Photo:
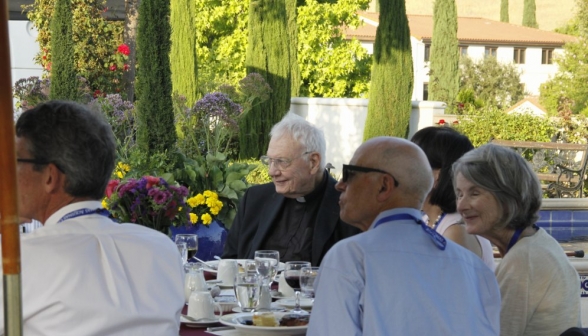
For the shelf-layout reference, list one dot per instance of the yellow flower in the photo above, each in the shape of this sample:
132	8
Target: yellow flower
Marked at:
195	201
208	193
120	174
104	203
214	210
193	218
206	219
122	169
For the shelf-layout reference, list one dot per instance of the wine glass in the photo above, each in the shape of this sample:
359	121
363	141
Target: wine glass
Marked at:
191	241
247	288
183	249
307	277
292	273
266	264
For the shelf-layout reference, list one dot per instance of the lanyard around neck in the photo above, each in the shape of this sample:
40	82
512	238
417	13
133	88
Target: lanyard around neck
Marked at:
516	235
437	239
84	212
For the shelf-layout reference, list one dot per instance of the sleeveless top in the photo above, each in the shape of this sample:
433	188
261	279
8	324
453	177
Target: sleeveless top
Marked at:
487	252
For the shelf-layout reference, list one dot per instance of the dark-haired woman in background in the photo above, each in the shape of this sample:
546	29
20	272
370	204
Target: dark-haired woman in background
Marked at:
443	146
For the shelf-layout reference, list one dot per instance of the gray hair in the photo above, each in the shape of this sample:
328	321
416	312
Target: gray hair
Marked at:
509	178
78	141
303	132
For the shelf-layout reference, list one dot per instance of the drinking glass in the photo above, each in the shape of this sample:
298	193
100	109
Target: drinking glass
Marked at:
266	264
307	277
191	241
247	288
183	249
292	276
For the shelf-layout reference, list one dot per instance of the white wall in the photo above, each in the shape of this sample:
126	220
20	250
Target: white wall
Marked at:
343	119
23	48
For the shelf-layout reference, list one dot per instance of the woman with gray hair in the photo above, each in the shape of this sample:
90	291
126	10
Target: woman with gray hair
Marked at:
499	197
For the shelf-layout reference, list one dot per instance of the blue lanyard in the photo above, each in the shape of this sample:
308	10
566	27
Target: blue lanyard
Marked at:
516	235
438	239
84	212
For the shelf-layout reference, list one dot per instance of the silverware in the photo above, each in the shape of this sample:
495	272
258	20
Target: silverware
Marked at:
205	264
219	328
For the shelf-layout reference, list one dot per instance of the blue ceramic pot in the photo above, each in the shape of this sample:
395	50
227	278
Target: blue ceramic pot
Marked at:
211	238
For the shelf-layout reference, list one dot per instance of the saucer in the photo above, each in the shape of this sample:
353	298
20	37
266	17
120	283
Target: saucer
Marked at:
273	307
201	323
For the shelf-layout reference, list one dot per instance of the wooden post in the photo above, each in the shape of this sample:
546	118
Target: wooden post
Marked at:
9	227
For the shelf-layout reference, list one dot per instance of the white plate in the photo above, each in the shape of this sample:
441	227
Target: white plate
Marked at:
237	321
213	264
291	302
198	324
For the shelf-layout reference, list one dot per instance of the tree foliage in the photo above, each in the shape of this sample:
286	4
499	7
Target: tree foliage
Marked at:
268	54
504	11
444	67
95	40
63	73
530	14
155	129
494	83
392	74
330	65
292	15
568	86
183	58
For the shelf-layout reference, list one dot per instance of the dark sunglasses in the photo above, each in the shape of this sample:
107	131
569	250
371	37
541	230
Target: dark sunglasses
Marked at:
350	170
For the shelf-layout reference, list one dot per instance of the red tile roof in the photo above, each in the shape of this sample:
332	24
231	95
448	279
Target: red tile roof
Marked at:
471	30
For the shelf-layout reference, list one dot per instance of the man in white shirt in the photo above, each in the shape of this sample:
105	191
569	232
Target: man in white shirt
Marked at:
398	277
82	273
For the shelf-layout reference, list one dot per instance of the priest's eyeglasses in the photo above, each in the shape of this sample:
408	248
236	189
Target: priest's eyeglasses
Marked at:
349	171
280	163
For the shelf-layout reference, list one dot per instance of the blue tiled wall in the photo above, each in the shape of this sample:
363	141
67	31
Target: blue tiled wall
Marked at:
565	225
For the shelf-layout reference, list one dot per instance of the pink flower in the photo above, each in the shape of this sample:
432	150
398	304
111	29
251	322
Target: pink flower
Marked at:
124	49
113	67
441	121
151	181
111	186
126	67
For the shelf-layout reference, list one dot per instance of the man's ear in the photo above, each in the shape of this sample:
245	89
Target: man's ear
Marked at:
387	187
314	159
53	179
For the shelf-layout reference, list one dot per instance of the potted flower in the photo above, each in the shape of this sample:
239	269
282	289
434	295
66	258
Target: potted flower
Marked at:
149	201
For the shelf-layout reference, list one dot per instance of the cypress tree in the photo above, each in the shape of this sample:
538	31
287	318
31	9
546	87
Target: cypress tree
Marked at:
529	14
64	84
155	122
184	68
392	74
293	34
268	54
444	67
504	11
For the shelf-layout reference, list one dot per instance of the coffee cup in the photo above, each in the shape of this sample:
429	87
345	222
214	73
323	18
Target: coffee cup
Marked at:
227	270
201	306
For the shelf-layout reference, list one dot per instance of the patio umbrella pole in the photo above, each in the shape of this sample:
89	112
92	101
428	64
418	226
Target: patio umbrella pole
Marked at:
9	227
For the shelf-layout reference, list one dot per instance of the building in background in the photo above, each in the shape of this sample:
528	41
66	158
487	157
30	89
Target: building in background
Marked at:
532	50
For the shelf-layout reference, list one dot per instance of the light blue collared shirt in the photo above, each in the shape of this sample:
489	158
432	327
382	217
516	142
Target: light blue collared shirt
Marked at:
393	280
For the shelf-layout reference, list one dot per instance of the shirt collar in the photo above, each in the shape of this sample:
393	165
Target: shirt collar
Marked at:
316	192
411	211
56	216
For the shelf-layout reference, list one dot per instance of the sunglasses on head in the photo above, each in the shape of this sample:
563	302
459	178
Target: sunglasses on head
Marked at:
350	170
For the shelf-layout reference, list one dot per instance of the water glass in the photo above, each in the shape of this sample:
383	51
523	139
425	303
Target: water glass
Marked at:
191	241
307	277
247	290
266	264
183	249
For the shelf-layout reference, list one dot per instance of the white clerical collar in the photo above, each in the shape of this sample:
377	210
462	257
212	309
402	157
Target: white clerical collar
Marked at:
301	199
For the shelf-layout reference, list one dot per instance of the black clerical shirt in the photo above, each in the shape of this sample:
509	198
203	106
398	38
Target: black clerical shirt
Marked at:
293	230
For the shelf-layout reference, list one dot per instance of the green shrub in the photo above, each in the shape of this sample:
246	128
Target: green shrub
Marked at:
494	123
